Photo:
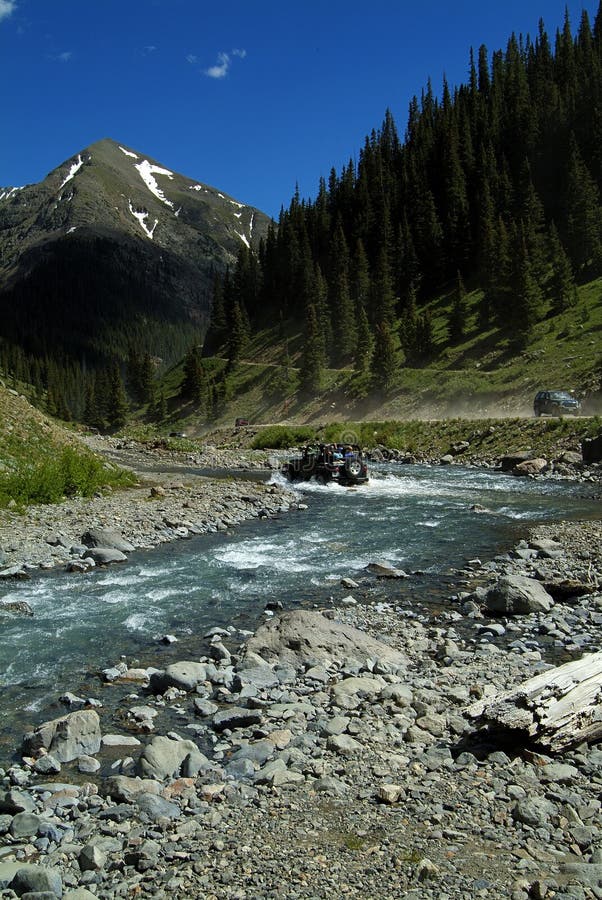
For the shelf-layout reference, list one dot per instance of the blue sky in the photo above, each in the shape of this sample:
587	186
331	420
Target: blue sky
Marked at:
249	97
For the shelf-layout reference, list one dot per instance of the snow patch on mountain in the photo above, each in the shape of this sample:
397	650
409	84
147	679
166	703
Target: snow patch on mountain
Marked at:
198	187
147	170
7	193
75	167
243	238
142	215
128	152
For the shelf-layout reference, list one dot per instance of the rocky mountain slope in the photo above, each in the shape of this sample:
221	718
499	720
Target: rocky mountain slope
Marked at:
112	238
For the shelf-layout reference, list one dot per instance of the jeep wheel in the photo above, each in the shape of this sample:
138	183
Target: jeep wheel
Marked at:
354	467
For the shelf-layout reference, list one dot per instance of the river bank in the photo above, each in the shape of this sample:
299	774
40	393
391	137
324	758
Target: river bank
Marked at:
342	763
346	769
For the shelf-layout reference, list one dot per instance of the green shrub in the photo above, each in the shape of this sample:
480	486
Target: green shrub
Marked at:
68	474
279	437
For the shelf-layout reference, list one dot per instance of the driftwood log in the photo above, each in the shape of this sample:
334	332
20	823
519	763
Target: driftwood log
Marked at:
557	709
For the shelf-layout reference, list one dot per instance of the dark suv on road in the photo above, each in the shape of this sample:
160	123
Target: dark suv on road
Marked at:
555	403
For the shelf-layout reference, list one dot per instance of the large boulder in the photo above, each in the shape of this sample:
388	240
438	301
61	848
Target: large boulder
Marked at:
105	556
106	537
185	675
302	636
516	595
165	758
68	737
531	466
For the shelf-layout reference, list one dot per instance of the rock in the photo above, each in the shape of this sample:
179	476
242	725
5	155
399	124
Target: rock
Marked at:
236	717
165	758
154	808
16	607
47	765
205	707
509	461
105	556
344	745
299	637
68	737
16	571
516	595
25	824
257	677
186	676
120	740
533	811
384	570
124	788
446	460
87	764
108	538
350	691
390	793
530	467
14	801
91	858
33	879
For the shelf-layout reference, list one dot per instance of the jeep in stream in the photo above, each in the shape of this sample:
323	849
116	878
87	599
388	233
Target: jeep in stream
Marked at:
342	463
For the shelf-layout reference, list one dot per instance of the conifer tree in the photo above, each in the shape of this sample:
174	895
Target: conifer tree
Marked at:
384	363
562	283
526	308
457	319
312	360
118	407
365	342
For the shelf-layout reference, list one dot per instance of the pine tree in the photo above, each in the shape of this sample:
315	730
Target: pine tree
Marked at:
312	361
118	407
384	365
527	305
562	283
365	341
457	319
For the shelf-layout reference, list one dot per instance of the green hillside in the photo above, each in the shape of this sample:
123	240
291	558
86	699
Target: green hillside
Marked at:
481	376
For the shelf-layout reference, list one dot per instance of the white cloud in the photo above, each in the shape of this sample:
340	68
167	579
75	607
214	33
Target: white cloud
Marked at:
6	8
192	59
65	56
224	61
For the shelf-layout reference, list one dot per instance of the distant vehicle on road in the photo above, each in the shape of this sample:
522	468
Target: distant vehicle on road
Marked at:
179	434
240	422
555	403
341	463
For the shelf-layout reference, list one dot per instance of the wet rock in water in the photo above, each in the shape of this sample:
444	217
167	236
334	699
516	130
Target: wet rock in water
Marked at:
68	737
517	595
236	717
531	467
185	675
17	571
105	556
301	637
384	570
15	608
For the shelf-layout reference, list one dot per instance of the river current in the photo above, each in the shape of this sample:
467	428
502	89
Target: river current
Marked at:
417	518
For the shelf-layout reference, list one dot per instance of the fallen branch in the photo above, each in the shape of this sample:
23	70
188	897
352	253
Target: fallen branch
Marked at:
557	709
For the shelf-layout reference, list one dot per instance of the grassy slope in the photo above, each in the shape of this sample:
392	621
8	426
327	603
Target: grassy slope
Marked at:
480	377
40	461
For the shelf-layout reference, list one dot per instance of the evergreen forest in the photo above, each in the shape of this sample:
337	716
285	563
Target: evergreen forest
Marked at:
494	188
